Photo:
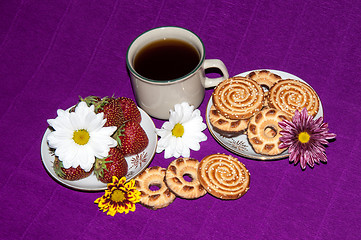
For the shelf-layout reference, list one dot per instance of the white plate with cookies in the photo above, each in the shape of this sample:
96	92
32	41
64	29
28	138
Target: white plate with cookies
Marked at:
240	132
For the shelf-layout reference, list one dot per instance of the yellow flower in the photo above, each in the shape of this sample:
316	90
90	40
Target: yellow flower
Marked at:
119	197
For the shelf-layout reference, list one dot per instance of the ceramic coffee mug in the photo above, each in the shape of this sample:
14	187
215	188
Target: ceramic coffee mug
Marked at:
157	97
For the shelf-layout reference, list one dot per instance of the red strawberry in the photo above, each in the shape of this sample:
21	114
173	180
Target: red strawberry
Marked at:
112	112
71	173
131	138
130	109
111	108
113	165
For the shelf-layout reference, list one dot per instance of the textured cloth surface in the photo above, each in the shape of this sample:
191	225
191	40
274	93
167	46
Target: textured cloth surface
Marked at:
51	52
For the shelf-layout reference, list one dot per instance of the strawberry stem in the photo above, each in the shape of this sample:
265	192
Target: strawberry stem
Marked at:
100	166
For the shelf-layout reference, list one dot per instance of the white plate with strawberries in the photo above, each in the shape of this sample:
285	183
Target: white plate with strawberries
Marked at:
136	163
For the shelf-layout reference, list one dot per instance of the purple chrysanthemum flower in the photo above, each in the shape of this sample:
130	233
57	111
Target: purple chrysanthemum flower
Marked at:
305	138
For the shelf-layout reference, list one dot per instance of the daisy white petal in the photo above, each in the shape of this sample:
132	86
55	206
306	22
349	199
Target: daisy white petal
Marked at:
61	122
192	143
93	124
87	159
186	152
170	149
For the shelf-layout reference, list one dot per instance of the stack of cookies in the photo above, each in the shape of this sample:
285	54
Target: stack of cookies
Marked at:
253	105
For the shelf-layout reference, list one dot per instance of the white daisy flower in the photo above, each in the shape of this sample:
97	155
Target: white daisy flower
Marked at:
182	133
80	137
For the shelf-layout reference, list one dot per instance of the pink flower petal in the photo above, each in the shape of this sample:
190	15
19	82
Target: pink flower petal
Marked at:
294	157
283	145
303	161
309	159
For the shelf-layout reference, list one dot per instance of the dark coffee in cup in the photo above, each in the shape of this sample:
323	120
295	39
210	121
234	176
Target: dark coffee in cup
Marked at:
166	59
159	85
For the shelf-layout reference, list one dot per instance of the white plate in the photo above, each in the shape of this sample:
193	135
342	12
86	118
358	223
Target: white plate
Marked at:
136	163
240	145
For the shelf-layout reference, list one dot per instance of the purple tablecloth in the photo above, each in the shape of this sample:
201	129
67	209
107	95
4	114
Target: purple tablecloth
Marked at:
53	51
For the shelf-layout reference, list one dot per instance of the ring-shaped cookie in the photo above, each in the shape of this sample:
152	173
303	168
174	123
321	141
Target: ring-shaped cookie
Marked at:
223	176
157	198
290	95
264	133
264	78
177	175
238	98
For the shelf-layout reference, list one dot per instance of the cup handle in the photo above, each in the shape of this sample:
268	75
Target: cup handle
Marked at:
215	63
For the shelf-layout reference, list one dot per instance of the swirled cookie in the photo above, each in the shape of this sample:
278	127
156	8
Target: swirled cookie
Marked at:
226	127
154	199
264	78
223	176
290	95
238	98
176	182
264	133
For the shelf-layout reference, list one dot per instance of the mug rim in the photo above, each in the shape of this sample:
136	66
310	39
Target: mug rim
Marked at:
201	60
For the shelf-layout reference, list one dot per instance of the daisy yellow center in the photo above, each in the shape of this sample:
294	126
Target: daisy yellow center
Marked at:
178	130
81	137
117	196
304	137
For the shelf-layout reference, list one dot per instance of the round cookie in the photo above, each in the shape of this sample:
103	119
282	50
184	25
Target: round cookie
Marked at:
264	133
238	98
290	95
226	127
264	78
154	199
223	176
174	178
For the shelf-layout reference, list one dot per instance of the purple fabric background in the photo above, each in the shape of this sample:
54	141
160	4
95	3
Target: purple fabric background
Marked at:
53	51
